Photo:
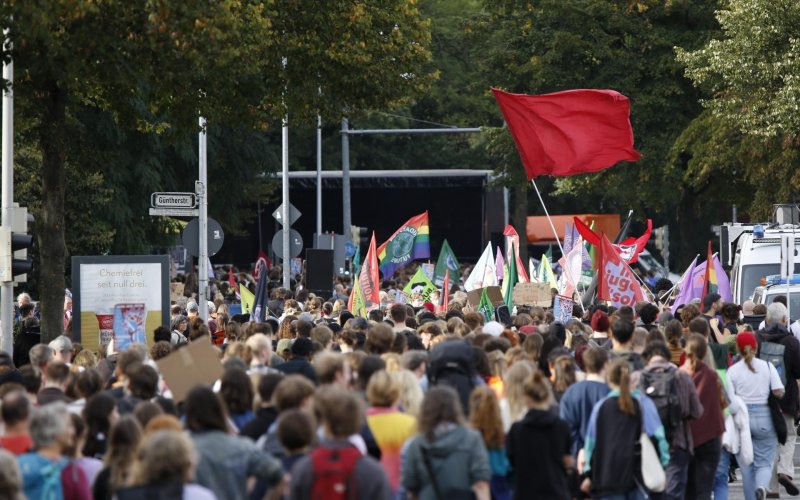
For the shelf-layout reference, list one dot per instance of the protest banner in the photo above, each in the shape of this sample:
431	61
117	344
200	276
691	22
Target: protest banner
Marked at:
493	292
196	364
562	309
532	294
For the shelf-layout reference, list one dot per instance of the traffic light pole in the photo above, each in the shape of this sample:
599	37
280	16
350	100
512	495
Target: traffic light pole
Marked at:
7	287
202	194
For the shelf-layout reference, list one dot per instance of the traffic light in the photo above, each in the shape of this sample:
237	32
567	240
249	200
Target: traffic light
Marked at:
14	244
660	239
361	236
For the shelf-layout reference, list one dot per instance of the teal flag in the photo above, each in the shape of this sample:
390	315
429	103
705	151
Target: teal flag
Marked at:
356	261
485	307
511	281
447	260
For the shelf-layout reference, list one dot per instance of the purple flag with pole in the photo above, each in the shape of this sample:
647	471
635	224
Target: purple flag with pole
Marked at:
687	290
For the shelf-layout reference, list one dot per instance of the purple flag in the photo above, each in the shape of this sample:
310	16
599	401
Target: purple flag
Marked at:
723	284
687	292
498	265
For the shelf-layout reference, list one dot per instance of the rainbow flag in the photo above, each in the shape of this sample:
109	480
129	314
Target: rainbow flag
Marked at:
408	243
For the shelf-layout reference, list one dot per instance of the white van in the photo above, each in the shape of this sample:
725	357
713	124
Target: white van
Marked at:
774	286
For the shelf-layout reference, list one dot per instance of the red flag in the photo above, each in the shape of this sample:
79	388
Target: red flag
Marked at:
232	282
446	291
510	233
616	282
571	132
262	261
369	277
707	276
628	249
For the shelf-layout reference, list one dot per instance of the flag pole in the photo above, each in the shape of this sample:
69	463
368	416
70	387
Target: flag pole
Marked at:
536	188
553	227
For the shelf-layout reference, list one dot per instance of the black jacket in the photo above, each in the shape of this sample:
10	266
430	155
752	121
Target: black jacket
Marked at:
299	366
615	464
536	447
260	424
777	333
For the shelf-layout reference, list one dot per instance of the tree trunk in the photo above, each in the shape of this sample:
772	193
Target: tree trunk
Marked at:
50	227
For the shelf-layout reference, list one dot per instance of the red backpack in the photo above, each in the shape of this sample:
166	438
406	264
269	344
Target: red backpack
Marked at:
333	473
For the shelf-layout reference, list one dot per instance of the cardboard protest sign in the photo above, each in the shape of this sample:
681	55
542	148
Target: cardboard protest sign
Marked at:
176	291
493	292
562	309
532	294
196	364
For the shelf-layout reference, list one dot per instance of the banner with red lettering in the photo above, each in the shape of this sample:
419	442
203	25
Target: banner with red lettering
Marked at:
616	282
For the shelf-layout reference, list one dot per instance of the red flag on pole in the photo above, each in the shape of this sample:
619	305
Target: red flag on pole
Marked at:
628	249
616	282
232	282
707	276
513	237
571	132
446	291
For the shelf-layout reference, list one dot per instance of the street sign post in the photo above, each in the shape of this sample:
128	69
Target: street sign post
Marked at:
294	214
295	244
173	200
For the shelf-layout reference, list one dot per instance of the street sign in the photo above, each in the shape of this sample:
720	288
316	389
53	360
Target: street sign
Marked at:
175	212
191	237
295	243
173	200
349	249
294	214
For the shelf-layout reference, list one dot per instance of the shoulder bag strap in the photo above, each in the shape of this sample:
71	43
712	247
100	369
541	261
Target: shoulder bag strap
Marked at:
429	467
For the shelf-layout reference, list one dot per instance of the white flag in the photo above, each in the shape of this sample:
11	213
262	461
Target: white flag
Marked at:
483	274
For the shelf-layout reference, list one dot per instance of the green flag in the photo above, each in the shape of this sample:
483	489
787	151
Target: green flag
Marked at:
447	260
511	280
358	305
247	298
485	307
420	283
356	261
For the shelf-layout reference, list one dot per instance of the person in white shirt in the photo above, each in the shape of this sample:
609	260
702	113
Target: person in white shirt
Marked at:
753	379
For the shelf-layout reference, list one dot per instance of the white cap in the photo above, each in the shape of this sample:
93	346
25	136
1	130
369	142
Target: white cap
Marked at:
493	328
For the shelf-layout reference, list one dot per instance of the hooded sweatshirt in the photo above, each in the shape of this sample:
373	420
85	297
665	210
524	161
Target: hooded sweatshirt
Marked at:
536	447
458	458
778	334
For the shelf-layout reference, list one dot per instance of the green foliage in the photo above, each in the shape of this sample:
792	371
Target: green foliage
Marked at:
753	71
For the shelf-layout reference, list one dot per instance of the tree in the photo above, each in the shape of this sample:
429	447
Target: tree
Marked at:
752	72
153	66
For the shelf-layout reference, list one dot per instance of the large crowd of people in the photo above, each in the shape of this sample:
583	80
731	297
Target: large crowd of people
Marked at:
413	402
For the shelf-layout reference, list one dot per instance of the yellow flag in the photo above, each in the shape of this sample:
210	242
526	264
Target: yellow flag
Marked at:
247	299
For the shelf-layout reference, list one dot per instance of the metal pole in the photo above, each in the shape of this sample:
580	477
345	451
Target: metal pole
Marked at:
396	131
319	175
346	220
260	245
202	195
7	290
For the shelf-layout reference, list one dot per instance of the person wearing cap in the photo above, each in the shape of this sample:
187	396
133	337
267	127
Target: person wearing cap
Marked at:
192	310
298	362
776	332
753	379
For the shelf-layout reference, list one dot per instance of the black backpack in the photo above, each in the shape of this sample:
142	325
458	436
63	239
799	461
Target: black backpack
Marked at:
661	387
453	363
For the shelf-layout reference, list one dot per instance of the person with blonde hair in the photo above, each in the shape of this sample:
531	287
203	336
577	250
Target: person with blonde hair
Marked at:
484	417
393	362
612	437
753	380
390	427
410	391
260	347
165	466
513	406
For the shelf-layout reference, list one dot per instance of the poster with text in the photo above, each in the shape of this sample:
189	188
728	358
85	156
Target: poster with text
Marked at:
119	298
562	309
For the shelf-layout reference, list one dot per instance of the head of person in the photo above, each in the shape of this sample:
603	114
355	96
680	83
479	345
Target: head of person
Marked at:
595	360
619	378
383	390
485	416
192	309
146	411
23	299
323	336
332	369
747	346
16	410
236	391
730	312
296	431
657	352
622	331
564	373
165	456
340	412
205	411
40	355
379	341
302	348
777	314
712	303
123	447
398	314
648	314
57	374
266	387
600	321
441	404
261	348
100	414
537	390
294	391
142	381
51	428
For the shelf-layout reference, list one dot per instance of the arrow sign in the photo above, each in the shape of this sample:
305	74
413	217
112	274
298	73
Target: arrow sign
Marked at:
294	214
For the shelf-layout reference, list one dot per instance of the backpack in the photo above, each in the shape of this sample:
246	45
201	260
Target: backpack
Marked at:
661	387
453	363
334	469
773	352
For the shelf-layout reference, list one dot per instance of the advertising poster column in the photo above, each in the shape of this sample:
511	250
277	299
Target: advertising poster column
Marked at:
123	298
